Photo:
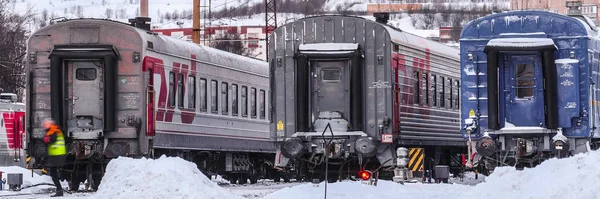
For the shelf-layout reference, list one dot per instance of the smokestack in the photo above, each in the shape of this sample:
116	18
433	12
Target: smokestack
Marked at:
144	8
196	22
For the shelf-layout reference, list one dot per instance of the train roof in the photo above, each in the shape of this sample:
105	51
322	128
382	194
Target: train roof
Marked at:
399	36
177	47
527	22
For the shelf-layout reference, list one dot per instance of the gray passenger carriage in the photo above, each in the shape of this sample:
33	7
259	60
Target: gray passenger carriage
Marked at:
356	75
117	90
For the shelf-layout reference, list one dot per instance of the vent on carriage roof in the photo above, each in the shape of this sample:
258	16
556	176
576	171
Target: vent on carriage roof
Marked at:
382	17
141	22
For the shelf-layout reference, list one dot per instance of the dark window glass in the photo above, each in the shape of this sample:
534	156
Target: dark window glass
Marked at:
191	90
331	75
253	102
244	101
524	80
180	90
234	99
214	93
203	96
224	98
261	100
172	89
85	74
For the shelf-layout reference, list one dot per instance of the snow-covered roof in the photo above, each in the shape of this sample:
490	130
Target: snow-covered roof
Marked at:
328	47
566	61
521	42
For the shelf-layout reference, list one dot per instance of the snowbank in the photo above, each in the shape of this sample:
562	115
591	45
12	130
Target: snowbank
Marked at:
166	177
575	177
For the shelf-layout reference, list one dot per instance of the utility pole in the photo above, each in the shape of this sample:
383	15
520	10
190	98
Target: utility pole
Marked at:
270	21
196	22
144	8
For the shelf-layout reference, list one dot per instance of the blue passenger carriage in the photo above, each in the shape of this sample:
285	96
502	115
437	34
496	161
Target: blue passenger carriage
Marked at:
529	88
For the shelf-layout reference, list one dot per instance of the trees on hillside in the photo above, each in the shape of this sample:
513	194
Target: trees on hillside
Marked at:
13	37
231	43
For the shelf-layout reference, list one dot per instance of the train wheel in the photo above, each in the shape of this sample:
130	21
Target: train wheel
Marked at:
276	176
253	180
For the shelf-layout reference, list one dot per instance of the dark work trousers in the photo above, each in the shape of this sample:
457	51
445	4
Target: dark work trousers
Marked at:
55	178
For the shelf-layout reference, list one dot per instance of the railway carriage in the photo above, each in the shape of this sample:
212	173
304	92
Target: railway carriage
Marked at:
529	87
377	87
118	89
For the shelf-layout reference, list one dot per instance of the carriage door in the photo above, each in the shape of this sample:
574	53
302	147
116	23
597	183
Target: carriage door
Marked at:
86	96
524	90
330	88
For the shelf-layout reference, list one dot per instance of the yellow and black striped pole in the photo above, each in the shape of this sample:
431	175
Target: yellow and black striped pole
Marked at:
27	166
416	156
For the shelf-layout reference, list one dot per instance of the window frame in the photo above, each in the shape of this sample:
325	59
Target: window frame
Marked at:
203	95
192	92
224	98
234	100
214	96
253	111
172	89
262	104
180	91
244	101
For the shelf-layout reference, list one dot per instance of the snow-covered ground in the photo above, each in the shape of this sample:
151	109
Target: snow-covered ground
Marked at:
576	177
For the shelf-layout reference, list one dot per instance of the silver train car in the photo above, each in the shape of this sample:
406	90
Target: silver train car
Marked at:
118	89
377	87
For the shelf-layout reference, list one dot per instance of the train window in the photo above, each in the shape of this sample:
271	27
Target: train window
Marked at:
244	101
85	74
456	98
449	93
442	91
416	87
524	80
203	96
214	96
425	98
262	104
224	98
171	89
180	89
253	102
433	95
234	99
191	90
331	75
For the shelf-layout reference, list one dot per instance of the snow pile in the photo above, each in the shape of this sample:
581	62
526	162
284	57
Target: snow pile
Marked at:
357	190
575	177
166	177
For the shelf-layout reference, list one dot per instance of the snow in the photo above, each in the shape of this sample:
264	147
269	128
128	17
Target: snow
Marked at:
566	61
574	177
567	178
357	190
521	42
522	34
165	177
328	47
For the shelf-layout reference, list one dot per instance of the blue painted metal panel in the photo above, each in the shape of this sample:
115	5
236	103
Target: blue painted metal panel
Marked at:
570	35
567	78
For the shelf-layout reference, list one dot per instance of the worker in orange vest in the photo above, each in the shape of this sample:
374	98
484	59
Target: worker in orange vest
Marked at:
57	152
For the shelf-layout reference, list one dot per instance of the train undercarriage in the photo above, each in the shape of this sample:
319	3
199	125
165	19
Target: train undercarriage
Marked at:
527	151
236	167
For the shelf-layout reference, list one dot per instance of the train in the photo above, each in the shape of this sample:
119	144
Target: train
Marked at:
118	89
12	130
349	94
529	88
